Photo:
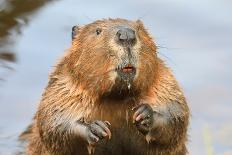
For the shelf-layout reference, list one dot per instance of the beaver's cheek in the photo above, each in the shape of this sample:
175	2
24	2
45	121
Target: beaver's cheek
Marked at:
112	76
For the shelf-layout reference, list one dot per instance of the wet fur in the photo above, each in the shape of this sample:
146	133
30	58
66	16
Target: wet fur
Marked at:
82	87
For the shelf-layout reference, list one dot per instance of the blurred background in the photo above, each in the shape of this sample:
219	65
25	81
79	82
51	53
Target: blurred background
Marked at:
194	38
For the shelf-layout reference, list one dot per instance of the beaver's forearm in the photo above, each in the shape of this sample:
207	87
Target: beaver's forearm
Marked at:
57	131
170	124
60	131
168	134
164	125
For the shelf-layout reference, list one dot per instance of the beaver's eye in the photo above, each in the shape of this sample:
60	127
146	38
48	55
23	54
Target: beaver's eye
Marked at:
98	31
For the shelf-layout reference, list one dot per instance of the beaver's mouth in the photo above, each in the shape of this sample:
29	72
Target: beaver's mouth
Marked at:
126	71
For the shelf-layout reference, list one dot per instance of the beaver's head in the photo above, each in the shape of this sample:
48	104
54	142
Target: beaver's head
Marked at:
113	55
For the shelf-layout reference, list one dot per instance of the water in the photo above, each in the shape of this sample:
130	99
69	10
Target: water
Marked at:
195	39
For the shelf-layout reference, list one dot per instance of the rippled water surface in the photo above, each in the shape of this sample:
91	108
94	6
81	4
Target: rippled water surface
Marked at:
195	40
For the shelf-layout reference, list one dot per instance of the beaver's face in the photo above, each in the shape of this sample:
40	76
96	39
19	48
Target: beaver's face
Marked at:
119	51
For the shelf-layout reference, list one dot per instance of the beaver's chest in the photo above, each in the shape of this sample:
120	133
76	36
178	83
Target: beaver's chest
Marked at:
126	139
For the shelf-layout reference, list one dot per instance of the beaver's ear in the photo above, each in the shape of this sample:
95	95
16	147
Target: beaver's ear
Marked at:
139	21
74	31
139	24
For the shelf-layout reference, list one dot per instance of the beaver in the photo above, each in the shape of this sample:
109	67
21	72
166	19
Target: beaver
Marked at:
110	94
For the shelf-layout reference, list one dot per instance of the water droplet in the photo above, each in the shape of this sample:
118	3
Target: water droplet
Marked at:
90	149
129	85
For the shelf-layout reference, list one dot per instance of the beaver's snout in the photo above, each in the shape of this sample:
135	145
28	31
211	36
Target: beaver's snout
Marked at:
125	39
125	36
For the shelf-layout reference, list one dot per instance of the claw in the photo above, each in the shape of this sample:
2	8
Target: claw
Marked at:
91	149
108	131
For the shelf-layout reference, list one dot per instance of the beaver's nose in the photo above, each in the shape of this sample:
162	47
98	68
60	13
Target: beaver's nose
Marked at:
126	36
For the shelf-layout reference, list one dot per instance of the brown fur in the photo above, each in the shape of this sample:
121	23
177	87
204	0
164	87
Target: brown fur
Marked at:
81	86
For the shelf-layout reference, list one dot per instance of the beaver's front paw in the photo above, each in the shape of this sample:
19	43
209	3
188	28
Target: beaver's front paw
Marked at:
143	118
97	130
